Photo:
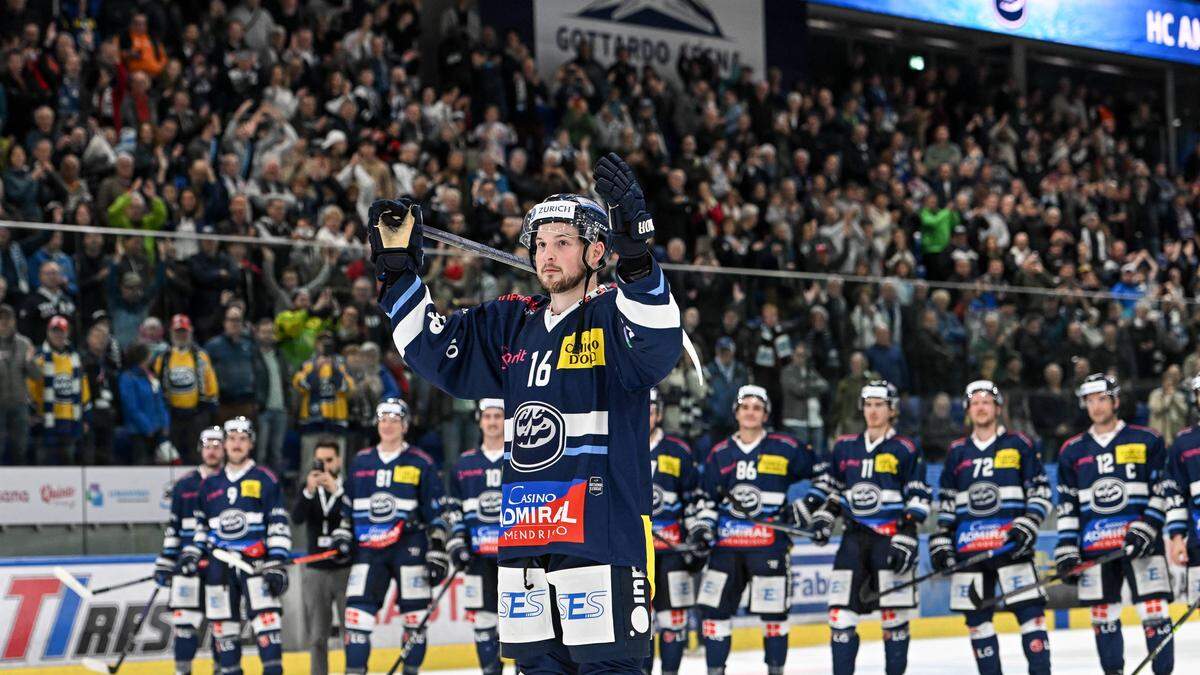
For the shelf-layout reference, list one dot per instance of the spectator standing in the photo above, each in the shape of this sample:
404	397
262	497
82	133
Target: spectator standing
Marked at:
318	507
48	301
129	300
324	388
103	378
803	389
1053	409
232	356
189	386
887	359
847	418
938	428
59	395
144	409
725	376
272	381
16	366
1169	406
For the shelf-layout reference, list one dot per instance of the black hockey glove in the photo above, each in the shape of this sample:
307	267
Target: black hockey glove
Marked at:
343	541
394	232
189	561
902	553
617	186
437	561
1022	536
164	569
803	510
275	577
941	550
823	520
702	538
459	550
1141	537
1066	558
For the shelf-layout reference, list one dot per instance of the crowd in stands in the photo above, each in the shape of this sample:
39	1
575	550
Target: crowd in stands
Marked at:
282	120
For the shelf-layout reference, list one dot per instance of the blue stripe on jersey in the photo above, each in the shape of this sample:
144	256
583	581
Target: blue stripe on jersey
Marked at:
409	293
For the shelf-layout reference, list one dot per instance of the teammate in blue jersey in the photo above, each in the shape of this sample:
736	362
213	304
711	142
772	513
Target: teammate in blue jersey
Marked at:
396	522
241	510
746	478
993	493
676	497
574	371
1183	518
186	603
1112	494
475	488
879	478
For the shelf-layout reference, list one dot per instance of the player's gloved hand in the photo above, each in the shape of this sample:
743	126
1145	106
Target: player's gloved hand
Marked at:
189	561
1066	558
343	542
1022	536
823	520
803	510
164	569
701	538
1140	537
902	552
394	232
459	550
437	561
275	577
618	186
941	551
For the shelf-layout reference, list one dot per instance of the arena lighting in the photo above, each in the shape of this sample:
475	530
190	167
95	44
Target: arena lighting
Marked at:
916	62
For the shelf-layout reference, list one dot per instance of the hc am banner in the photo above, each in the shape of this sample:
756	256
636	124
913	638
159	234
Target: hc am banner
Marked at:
730	32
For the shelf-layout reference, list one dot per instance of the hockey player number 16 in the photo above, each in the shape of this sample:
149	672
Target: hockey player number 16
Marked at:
539	369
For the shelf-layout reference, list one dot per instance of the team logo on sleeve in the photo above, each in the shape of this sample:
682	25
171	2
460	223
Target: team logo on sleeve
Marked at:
539	436
865	498
983	499
1109	495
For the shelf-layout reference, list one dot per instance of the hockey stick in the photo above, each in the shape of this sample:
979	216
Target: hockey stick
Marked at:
233	560
1171	636
1056	578
86	593
868	596
780	527
315	557
682	547
407	646
98	666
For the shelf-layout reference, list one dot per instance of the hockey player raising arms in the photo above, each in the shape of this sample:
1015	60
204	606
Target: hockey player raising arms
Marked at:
993	493
880	478
574	370
394	517
747	477
241	510
186	604
1111	489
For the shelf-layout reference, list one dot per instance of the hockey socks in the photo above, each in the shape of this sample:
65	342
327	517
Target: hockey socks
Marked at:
672	640
717	642
1034	639
416	653
986	647
186	642
359	623
895	646
1110	644
843	642
227	647
1156	622
775	645
487	647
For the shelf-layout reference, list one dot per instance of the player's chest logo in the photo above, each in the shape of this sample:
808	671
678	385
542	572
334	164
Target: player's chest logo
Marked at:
233	523
865	498
747	499
382	507
489	506
539	436
983	499
1109	495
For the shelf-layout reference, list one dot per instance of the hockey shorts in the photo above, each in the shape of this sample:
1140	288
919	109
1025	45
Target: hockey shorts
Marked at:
674	584
861	560
479	584
1148	579
374	569
187	600
1192	578
230	595
729	571
598	612
985	577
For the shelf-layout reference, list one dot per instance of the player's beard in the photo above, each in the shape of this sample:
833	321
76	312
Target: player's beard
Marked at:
566	282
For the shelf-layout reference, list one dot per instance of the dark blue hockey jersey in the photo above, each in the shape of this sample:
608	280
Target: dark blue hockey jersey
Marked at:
475	484
1104	488
983	489
243	512
743	482
1183	485
576	391
181	528
877	485
676	486
383	500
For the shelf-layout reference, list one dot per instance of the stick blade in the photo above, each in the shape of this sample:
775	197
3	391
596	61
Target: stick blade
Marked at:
96	665
232	559
72	583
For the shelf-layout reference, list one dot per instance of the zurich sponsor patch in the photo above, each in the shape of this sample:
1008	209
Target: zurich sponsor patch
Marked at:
535	513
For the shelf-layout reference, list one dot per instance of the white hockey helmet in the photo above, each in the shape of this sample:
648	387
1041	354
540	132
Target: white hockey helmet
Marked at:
1097	383
985	386
392	406
752	391
880	389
